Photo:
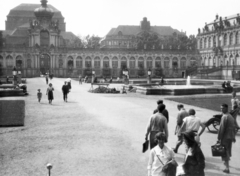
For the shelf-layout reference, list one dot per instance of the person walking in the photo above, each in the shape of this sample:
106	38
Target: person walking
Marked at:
226	135
194	162
80	79
46	79
165	111
65	91
181	115
49	93
157	123
69	85
161	159
39	95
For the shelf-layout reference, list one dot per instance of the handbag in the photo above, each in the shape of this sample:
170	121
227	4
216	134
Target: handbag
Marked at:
145	146
218	150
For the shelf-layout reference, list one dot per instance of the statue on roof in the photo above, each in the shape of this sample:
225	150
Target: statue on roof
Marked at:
206	27
199	30
238	19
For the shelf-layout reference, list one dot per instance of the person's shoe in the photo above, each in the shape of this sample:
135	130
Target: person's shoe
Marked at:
226	171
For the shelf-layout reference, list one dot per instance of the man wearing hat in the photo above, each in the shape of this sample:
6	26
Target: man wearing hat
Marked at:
165	112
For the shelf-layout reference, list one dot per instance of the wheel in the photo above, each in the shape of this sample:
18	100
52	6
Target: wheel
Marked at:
216	125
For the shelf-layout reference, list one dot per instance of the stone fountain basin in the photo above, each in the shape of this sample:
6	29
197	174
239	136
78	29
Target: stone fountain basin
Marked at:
180	89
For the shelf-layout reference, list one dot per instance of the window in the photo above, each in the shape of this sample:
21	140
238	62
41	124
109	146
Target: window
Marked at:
79	62
225	40
175	63
106	62
70	62
115	62
209	42
44	38
201	43
9	61
132	62
124	62
205	43
140	62
183	62
1	61
149	62
19	62
97	62
29	63
88	63
158	62
166	62
193	62
231	39
236	38
214	41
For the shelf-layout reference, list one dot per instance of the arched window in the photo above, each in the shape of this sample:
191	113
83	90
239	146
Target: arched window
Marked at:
132	62
237	60
29	63
201	43
79	61
115	62
124	62
140	62
236	38
209	42
97	62
70	62
231	61
166	62
149	62
231	39
225	40
44	38
183	62
205	42
1	61
19	62
9	61
60	62
158	62
88	62
175	63
106	62
214	41
193	62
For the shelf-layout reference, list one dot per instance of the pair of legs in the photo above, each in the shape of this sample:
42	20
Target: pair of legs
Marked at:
50	101
65	97
228	146
180	142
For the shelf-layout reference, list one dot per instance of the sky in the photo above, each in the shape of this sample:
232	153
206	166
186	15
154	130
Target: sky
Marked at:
97	17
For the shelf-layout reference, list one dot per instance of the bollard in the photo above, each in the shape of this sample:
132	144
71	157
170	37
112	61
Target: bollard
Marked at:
49	167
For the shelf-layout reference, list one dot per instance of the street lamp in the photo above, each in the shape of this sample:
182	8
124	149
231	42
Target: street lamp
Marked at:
93	76
19	76
14	72
149	76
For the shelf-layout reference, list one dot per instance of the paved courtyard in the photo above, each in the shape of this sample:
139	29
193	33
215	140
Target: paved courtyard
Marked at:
92	134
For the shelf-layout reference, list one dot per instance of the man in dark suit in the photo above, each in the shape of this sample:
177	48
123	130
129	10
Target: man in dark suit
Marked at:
65	90
165	111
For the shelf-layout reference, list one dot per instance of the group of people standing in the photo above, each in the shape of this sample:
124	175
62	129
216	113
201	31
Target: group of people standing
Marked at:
162	161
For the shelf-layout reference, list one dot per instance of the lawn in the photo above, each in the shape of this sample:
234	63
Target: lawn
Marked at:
212	103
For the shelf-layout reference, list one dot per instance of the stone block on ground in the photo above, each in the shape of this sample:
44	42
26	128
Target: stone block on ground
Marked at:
12	113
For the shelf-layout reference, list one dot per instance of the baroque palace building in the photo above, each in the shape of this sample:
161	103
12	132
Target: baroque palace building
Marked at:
219	47
35	41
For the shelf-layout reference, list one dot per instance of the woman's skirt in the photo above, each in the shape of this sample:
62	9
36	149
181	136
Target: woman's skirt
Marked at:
50	95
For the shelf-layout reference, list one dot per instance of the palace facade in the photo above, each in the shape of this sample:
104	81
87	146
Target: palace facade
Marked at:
35	41
219	47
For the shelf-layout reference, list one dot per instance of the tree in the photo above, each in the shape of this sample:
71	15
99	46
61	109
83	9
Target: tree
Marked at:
92	41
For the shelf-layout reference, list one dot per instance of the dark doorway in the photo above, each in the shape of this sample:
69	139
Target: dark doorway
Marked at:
44	63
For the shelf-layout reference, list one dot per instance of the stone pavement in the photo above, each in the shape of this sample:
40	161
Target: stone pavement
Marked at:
116	123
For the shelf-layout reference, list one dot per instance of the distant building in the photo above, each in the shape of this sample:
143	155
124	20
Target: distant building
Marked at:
36	42
219	47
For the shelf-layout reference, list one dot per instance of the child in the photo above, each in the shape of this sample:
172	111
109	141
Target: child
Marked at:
39	95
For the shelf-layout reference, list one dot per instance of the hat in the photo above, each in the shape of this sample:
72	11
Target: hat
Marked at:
189	135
